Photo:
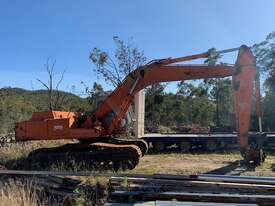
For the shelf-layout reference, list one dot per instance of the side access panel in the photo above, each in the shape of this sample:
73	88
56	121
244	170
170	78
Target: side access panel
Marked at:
46	126
39	130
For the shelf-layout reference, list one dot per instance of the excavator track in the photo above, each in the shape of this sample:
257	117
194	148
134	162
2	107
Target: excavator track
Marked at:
95	156
141	144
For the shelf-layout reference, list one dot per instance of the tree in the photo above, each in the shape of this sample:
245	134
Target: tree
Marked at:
55	97
213	57
186	89
199	108
13	108
113	69
221	94
265	55
269	112
153	105
94	94
265	59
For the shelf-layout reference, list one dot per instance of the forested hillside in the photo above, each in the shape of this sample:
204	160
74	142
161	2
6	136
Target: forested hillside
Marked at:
17	104
207	104
203	105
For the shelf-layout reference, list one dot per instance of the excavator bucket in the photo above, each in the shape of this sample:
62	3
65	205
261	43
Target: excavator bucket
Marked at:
243	84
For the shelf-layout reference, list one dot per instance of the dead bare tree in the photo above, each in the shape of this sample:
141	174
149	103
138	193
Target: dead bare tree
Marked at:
55	97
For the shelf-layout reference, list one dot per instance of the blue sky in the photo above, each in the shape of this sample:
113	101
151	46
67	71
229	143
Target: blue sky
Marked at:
33	30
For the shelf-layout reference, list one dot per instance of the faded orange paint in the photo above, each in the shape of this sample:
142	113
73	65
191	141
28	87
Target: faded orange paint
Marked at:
46	125
243	82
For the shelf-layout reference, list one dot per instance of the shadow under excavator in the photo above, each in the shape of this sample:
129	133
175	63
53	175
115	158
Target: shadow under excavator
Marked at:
25	164
233	168
193	150
69	164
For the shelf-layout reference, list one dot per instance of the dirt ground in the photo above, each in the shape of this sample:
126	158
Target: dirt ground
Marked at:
186	164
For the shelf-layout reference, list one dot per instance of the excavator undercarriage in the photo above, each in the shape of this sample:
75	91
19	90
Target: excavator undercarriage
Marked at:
98	156
103	152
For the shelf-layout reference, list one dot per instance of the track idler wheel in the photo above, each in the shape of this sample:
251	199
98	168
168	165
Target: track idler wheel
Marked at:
143	146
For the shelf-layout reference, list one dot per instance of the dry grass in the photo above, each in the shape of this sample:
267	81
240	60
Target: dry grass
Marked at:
179	163
13	194
186	164
12	153
23	192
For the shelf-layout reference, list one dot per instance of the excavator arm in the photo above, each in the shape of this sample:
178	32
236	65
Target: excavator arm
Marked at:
243	77
119	101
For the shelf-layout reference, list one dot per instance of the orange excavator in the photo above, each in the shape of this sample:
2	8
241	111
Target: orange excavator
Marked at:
97	132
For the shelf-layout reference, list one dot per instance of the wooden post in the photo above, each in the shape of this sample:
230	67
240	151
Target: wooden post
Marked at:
139	114
258	102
